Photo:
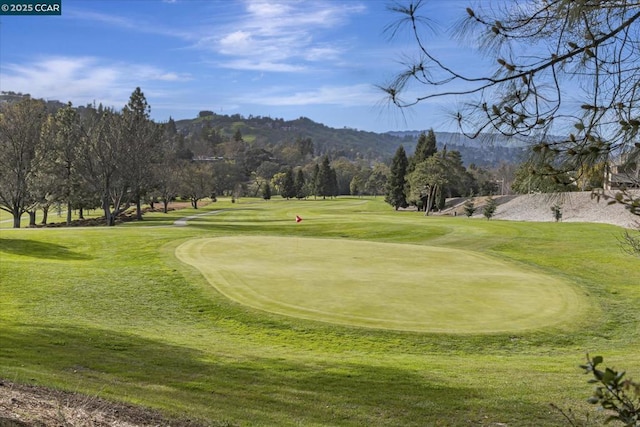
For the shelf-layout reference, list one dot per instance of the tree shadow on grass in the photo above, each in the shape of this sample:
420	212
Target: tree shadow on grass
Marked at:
41	250
239	388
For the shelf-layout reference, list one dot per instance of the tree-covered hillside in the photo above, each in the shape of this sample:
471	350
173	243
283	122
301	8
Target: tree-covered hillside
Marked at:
269	133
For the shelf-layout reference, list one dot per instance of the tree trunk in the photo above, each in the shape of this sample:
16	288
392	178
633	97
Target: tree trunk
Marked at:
427	203
118	207
432	194
17	215
165	207
138	209
69	212
106	208
45	215
32	218
80	213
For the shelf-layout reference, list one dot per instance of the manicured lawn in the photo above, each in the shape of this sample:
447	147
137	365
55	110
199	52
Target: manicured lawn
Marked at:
383	285
113	312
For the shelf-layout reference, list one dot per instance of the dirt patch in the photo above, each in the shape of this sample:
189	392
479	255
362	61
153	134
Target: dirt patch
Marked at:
34	406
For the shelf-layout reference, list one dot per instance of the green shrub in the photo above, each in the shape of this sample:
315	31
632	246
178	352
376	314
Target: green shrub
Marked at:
490	208
613	393
469	208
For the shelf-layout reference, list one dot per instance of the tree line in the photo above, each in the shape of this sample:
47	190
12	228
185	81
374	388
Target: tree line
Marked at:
82	159
96	157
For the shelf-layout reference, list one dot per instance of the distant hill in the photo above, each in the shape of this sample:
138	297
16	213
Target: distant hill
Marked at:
264	132
486	151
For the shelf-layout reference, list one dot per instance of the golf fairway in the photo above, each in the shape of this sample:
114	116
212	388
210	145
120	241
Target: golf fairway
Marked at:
383	285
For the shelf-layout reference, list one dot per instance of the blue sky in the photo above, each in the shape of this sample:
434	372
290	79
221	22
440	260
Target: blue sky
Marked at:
281	58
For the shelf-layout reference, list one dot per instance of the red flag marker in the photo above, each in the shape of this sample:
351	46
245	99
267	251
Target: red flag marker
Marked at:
298	219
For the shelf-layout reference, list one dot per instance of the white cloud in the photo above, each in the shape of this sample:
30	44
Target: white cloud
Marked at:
346	96
321	53
281	34
266	9
137	25
278	34
82	80
236	43
262	66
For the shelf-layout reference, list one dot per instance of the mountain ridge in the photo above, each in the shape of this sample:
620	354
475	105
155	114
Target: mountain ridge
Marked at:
487	150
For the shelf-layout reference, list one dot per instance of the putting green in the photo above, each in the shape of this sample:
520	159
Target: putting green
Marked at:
383	285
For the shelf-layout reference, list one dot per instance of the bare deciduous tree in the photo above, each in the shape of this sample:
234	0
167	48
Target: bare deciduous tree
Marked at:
20	135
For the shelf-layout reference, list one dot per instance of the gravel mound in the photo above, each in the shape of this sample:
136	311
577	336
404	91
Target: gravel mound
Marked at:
575	207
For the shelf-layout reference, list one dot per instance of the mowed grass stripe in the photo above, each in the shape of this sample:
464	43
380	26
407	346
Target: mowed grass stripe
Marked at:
383	285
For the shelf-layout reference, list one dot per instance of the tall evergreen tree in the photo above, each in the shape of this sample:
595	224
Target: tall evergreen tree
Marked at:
459	181
142	143
288	185
170	127
300	185
425	148
334	189
314	180
326	183
396	191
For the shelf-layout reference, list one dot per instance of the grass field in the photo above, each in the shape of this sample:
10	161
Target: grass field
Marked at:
229	337
383	285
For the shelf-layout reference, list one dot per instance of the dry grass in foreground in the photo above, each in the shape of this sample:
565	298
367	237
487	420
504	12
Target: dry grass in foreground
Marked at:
28	405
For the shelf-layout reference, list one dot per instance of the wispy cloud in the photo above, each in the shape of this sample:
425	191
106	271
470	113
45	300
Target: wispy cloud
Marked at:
345	96
83	79
265	35
123	22
281	35
262	66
